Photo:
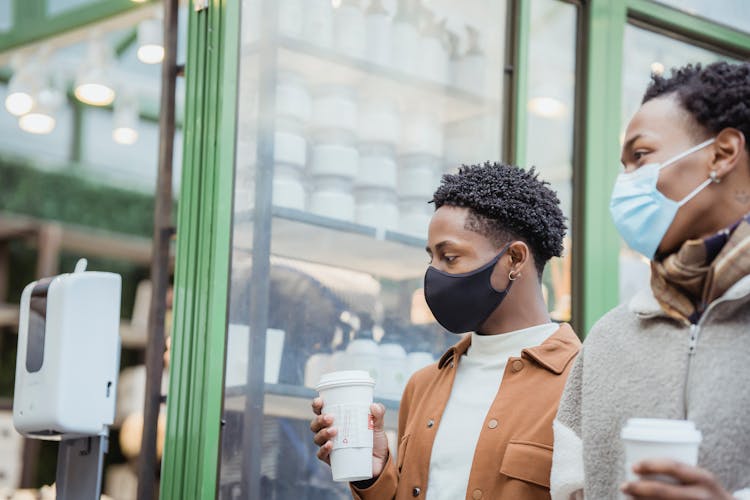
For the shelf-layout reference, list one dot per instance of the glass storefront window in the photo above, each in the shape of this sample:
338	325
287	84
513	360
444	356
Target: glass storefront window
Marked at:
644	53
550	125
733	13
348	115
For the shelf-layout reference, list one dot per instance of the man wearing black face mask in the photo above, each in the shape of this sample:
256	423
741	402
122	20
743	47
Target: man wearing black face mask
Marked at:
462	435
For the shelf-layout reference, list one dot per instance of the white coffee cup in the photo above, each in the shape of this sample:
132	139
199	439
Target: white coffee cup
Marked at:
347	395
656	438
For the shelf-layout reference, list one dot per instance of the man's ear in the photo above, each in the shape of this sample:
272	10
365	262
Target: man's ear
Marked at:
727	149
520	255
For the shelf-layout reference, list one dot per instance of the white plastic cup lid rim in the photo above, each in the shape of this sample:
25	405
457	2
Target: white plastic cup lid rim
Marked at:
661	431
345	378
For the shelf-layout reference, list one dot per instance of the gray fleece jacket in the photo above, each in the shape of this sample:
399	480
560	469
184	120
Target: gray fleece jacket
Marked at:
637	362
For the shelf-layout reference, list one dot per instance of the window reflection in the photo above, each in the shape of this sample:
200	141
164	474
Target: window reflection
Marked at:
551	114
369	103
733	13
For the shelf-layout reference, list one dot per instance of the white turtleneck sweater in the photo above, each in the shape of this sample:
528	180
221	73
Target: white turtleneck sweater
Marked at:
478	377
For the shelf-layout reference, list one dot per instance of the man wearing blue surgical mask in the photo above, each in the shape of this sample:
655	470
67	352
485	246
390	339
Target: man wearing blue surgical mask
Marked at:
680	350
478	423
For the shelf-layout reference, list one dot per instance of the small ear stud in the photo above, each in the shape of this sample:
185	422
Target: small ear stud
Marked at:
714	177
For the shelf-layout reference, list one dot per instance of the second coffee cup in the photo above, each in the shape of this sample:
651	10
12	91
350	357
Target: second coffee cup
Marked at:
656	438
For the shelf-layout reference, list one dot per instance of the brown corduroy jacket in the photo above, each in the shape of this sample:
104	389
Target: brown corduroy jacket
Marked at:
513	456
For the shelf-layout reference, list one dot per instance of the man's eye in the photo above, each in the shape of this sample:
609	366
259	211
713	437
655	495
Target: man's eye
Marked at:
450	258
638	155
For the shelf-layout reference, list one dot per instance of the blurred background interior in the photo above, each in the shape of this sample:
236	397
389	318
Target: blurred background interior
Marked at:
345	113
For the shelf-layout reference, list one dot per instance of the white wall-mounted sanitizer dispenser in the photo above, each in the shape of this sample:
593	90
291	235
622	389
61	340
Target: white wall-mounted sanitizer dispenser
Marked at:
68	355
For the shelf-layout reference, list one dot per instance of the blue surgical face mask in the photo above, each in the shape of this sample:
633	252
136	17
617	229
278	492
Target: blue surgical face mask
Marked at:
641	213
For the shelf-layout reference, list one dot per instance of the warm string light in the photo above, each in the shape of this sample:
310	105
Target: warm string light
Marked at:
93	85
150	42
125	118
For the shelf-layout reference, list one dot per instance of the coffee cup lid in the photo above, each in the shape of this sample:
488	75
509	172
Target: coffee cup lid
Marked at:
661	430
345	378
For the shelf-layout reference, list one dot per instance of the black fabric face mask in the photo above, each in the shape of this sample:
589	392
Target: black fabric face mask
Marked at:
462	302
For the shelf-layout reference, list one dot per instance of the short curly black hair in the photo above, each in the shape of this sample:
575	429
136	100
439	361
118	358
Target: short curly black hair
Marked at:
717	95
507	203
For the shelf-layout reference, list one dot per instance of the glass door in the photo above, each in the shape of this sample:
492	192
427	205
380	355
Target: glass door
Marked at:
349	114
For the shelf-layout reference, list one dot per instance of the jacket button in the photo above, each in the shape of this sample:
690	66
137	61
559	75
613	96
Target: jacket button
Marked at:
430	423
415	492
492	424
477	494
517	366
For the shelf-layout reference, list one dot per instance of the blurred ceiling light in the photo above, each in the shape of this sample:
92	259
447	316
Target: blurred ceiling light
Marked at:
93	85
41	117
19	100
548	107
125	130
150	41
336	3
657	68
21	86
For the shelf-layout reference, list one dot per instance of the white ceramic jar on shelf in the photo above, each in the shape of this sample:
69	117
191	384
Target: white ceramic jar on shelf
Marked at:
379	120
414	216
469	69
291	19
335	108
334	159
377	207
290	148
350	29
378	25
417	175
318	29
405	45
422	133
316	366
362	354
293	99
377	166
433	52
288	186
332	197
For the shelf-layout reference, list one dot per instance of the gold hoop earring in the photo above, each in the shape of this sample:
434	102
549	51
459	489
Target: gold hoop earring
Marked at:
714	176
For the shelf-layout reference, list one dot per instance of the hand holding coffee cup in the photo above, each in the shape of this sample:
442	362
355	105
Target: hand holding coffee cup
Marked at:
686	481
349	427
656	438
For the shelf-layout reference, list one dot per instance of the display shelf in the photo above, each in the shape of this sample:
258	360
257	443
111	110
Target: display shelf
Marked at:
322	65
292	401
306	236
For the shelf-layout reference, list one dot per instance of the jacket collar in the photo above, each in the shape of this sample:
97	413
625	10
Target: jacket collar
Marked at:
554	354
645	305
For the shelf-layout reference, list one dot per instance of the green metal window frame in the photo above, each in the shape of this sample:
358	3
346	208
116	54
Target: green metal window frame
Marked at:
191	452
190	468
31	22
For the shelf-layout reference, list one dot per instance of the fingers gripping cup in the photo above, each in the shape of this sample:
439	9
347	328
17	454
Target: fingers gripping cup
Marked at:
654	438
347	395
